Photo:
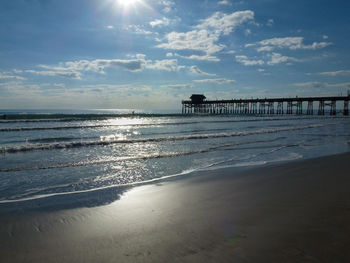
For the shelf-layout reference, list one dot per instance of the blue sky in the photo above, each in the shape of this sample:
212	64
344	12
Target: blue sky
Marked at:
153	53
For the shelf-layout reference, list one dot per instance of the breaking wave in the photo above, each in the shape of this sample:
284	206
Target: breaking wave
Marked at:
142	157
67	189
65	145
18	129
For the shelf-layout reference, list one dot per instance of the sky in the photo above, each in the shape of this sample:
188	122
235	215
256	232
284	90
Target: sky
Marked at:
151	54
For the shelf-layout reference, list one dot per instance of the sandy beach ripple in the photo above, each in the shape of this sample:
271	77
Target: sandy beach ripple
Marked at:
294	212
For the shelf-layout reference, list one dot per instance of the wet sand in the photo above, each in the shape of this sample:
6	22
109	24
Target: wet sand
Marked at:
295	212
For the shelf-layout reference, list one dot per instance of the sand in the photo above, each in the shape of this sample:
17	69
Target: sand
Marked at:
295	212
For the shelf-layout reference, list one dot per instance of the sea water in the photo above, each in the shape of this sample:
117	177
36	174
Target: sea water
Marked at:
46	154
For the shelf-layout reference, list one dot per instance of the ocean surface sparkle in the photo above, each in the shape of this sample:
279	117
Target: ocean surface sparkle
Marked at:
67	154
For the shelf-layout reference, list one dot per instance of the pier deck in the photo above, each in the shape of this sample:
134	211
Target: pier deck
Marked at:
198	104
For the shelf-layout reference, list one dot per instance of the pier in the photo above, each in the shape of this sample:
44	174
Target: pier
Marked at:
298	105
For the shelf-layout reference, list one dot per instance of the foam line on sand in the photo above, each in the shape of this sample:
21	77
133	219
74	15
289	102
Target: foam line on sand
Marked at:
294	212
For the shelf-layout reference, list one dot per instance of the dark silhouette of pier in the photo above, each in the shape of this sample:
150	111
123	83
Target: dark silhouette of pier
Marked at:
298	105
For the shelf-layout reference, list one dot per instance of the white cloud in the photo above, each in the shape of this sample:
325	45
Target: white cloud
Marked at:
7	75
249	62
226	23
160	22
201	58
83	96
57	73
336	73
217	81
74	69
339	85
17	71
177	86
166	2
21	89
167	9
25	91
231	52
224	2
292	43
168	6
61	85
169	54
264	48
270	22
110	27
137	30
325	37
166	64
206	35
320	85
6	87
112	88
196	70
276	58
314	84
249	45
130	65
198	40
164	22
98	65
247	32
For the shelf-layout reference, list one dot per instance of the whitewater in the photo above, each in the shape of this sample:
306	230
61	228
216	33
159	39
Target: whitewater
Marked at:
56	154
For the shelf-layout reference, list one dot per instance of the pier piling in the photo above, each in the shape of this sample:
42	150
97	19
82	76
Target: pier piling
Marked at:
199	105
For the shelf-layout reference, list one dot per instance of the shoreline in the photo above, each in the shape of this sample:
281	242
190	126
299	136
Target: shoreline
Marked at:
284	212
58	201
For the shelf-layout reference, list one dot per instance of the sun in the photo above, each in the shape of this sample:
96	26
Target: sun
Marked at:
127	7
127	3
130	7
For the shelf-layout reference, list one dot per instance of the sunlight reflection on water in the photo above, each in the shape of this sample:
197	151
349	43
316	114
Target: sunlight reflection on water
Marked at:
130	150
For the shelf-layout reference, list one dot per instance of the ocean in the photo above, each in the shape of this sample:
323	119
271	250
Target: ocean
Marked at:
86	158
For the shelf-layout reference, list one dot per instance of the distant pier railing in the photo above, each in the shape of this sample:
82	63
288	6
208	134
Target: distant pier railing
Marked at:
198	105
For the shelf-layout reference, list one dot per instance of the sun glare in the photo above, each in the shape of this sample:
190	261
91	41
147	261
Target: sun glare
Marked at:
130	6
127	3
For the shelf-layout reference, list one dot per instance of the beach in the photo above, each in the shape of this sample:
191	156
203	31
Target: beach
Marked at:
285	212
163	131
